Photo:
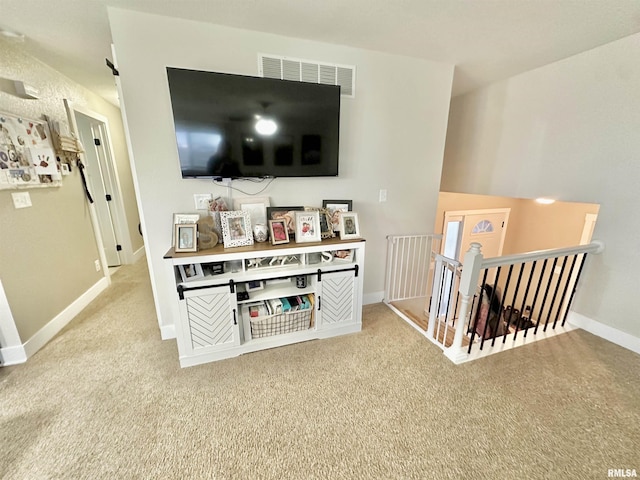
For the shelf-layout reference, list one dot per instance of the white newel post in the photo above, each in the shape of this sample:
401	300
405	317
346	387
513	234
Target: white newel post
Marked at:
471	267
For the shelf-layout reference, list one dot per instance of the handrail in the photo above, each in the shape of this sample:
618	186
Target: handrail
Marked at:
451	261
437	236
593	247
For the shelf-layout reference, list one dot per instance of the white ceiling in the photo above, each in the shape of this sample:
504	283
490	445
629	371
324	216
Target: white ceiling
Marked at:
487	40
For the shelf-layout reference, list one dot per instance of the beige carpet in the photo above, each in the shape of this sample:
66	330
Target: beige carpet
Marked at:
107	399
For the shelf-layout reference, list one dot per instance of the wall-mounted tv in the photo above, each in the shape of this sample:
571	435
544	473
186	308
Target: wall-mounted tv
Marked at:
234	126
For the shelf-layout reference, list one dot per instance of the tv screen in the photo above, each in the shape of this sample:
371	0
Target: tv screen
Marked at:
234	126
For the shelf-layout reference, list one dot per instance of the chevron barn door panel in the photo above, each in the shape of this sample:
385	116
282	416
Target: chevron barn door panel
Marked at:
210	320
337	299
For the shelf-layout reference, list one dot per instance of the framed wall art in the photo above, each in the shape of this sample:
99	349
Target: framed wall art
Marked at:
349	226
27	155
307	227
335	208
186	237
236	228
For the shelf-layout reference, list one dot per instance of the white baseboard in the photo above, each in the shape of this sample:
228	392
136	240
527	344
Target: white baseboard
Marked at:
47	332
138	254
601	330
13	355
167	332
375	297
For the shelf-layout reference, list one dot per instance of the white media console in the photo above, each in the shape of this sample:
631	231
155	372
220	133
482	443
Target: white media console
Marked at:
239	300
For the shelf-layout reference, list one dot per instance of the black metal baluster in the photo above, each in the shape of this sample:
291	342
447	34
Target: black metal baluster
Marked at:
450	299
564	290
546	293
555	293
574	288
501	309
535	297
493	295
513	304
526	294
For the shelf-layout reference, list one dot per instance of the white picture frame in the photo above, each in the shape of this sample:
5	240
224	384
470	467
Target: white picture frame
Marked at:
307	226
326	228
349	226
186	237
191	271
256	206
182	218
236	228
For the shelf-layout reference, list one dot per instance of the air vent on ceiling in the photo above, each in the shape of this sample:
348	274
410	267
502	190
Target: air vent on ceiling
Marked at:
286	68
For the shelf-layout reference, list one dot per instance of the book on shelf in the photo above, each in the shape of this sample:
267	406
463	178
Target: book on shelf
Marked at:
274	306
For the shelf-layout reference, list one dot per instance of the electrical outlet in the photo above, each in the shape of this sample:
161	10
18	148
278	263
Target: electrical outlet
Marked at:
202	200
97	263
21	199
382	197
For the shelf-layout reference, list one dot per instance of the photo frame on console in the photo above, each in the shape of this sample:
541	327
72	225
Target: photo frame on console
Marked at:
326	229
308	227
286	213
335	208
236	228
256	206
186	237
191	271
182	218
279	232
349	226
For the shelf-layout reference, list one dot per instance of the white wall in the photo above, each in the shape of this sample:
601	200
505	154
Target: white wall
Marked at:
392	133
569	130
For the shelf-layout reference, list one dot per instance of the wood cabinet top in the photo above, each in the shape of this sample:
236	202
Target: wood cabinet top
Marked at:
264	248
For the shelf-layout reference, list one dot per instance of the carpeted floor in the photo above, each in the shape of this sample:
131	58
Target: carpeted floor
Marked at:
106	399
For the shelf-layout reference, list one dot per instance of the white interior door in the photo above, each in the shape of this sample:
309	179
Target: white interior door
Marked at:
100	181
486	227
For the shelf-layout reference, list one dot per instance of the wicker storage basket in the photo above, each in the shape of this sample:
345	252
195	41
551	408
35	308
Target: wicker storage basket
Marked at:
280	323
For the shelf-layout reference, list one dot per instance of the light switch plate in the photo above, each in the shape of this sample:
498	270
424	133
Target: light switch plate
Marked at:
21	199
202	200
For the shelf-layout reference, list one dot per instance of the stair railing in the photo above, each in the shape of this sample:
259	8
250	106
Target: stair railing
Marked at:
544	281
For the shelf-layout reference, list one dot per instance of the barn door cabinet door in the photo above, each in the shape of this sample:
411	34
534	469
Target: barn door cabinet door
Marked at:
337	304
212	320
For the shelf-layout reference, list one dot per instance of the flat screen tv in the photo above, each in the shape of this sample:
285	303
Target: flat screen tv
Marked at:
235	126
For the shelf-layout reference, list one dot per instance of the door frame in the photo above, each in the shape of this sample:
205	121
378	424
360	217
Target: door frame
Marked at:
119	216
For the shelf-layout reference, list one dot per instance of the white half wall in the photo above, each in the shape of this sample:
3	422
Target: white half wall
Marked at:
391	136
568	130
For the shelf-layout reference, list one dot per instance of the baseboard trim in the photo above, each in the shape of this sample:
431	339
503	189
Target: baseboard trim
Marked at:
13	355
168	332
138	254
375	297
601	330
46	333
